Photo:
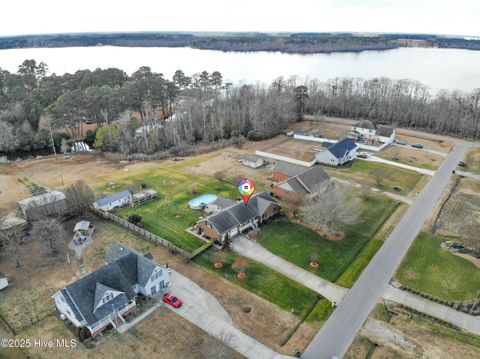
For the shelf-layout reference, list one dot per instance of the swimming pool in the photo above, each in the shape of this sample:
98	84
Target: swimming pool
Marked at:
202	201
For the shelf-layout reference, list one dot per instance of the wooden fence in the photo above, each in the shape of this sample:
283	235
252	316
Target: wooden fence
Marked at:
145	234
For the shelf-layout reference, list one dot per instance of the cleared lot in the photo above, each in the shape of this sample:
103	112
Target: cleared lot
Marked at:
411	157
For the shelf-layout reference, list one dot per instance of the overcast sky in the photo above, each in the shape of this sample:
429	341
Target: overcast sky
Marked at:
456	17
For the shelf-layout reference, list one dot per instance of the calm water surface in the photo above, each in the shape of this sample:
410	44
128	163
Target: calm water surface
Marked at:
438	68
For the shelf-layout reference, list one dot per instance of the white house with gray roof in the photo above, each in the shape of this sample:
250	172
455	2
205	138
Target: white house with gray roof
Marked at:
105	297
252	161
113	201
338	154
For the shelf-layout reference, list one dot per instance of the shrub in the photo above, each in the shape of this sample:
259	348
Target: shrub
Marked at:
193	188
135	218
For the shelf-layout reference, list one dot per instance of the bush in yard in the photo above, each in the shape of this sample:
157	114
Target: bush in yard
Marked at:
135	218
193	188
219	175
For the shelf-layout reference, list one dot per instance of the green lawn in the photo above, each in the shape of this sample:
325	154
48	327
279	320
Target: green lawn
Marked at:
321	312
361	171
473	161
432	270
264	282
295	242
169	215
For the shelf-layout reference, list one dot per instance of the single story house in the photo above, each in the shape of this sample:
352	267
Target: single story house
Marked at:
113	201
3	281
338	154
385	134
238	218
283	170
48	204
252	161
106	296
310	182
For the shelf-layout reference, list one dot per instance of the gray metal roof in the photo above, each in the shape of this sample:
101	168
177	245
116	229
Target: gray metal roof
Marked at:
341	148
253	158
313	178
82	226
288	168
296	185
112	198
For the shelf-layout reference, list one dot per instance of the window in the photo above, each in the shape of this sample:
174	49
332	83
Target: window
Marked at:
157	274
107	297
153	289
209	225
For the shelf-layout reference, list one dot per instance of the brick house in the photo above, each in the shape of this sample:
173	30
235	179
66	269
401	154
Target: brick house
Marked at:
238	218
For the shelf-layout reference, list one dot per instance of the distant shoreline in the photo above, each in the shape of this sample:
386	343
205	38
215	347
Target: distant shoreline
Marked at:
295	43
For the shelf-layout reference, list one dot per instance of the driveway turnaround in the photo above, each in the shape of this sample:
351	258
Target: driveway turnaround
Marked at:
203	309
257	252
335	337
462	320
423	171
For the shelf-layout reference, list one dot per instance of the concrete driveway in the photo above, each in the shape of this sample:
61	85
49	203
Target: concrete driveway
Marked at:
203	309
423	171
257	252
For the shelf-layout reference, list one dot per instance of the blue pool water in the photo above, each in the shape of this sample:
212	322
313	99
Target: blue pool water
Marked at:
202	200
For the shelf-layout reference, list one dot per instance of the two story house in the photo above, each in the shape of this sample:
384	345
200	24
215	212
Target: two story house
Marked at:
107	295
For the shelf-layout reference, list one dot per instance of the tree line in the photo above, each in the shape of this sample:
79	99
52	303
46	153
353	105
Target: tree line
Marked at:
148	113
247	41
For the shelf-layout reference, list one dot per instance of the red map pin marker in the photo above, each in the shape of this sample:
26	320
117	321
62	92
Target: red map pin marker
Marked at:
246	188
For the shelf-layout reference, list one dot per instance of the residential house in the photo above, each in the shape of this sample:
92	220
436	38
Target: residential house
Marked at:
365	129
283	170
310	182
338	153
113	201
3	281
385	134
218	205
238	218
252	161
106	296
48	204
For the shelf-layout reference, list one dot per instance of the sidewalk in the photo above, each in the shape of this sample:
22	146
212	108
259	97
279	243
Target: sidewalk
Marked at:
450	315
468	174
255	251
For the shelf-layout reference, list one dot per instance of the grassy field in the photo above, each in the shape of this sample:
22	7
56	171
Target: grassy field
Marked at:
432	270
320	312
363	172
169	215
411	157
295	242
264	282
473	161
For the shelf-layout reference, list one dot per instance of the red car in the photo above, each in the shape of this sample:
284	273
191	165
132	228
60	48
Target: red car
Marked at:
172	300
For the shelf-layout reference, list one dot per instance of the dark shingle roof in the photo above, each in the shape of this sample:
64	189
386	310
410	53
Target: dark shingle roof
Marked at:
342	147
223	202
125	269
288	168
112	198
296	185
313	178
223	221
242	213
385	131
367	124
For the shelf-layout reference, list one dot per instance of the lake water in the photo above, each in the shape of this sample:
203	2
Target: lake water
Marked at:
438	68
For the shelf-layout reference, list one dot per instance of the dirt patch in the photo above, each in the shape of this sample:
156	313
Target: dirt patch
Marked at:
475	261
163	334
461	217
302	337
469	185
298	149
440	144
411	156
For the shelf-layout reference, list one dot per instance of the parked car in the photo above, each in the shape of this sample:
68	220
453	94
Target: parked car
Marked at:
170	299
363	154
417	145
400	142
461	164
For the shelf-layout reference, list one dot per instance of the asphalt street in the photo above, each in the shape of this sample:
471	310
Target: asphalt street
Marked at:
341	328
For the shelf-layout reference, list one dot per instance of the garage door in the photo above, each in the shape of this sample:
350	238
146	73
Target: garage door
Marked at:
233	232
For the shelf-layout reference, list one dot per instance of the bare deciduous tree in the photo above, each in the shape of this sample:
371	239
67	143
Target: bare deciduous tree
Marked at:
49	232
79	197
10	238
334	209
379	175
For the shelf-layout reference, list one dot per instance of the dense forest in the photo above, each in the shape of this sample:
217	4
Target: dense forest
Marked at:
148	113
284	42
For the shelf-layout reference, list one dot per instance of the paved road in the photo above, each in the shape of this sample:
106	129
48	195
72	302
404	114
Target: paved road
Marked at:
338	333
462	320
257	252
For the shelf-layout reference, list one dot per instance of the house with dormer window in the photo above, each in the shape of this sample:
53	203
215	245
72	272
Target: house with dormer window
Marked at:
107	296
